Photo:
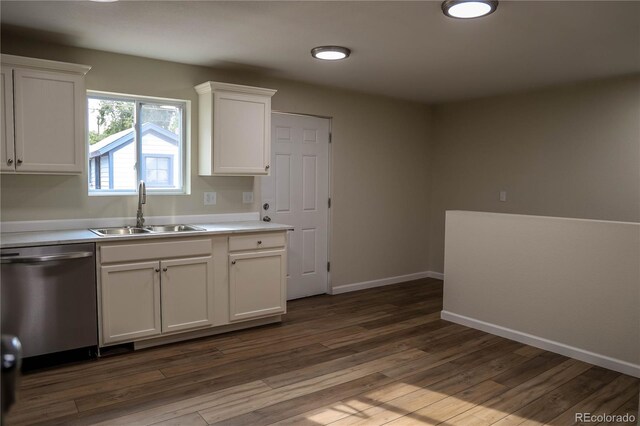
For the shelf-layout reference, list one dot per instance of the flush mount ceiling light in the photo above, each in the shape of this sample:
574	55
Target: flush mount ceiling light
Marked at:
330	53
466	9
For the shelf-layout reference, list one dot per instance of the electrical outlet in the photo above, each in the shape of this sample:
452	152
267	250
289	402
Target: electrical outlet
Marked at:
209	198
247	197
503	196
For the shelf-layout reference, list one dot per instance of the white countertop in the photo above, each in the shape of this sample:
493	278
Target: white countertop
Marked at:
44	238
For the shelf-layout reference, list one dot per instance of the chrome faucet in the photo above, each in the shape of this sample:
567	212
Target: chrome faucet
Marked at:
142	199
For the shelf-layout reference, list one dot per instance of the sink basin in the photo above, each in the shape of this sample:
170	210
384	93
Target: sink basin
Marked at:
151	229
119	230
172	228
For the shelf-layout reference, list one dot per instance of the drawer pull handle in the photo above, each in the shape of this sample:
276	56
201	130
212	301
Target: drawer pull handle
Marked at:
233	262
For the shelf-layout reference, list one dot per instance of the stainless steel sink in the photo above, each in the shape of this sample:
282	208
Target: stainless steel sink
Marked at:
152	229
172	228
119	230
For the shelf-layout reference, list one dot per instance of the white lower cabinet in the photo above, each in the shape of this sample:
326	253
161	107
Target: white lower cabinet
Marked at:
149	289
168	289
148	299
257	278
130	301
187	297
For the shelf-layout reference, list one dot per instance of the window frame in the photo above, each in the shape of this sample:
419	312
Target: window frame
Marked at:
139	101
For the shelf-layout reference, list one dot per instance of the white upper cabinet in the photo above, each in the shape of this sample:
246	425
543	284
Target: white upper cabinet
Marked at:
234	129
7	156
44	121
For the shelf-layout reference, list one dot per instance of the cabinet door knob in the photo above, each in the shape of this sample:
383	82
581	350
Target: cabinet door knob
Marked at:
19	161
157	269
259	242
10	161
233	262
266	167
164	269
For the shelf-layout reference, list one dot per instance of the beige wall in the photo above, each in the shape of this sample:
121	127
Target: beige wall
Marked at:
573	282
379	159
571	151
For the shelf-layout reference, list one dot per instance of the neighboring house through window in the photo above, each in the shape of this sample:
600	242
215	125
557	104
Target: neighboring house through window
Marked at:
118	159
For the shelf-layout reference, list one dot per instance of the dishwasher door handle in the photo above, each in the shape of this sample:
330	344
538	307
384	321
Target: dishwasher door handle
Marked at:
46	258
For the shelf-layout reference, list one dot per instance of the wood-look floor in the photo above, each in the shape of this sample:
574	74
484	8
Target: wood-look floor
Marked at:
373	357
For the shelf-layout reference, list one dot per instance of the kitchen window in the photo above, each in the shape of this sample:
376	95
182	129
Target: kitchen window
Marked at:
134	138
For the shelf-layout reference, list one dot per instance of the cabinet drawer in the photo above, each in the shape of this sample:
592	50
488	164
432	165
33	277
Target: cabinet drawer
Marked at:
151	251
256	241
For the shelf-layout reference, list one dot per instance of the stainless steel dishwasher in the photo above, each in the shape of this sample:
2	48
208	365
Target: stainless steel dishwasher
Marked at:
49	297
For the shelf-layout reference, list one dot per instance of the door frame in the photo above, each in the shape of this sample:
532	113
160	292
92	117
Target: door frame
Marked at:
329	287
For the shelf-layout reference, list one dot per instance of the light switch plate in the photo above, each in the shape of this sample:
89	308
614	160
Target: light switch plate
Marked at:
503	196
247	197
209	198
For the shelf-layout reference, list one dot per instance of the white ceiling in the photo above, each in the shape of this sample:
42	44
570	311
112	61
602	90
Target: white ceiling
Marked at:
402	49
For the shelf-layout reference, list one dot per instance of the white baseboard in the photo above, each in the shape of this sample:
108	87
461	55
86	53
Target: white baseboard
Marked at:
98	222
384	281
546	344
436	275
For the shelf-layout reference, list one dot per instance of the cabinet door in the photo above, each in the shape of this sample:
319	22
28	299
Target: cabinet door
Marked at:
49	110
257	284
130	301
241	133
187	293
7	155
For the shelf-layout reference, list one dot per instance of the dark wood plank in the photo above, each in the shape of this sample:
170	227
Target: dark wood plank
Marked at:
291	407
521	395
625	414
545	408
607	399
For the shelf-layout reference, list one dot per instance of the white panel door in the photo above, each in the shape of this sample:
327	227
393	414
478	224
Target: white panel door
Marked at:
297	194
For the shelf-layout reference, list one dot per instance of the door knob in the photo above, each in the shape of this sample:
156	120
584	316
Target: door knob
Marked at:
265	206
19	161
164	269
233	262
266	219
10	161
